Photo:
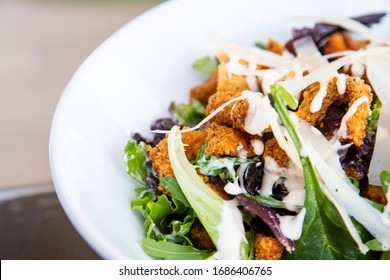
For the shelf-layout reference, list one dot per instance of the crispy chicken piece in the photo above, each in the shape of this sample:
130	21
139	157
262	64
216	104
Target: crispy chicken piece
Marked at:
375	193
226	141
342	41
275	46
267	247
228	87
230	83
272	149
218	99
308	95
160	159
355	88
193	140
203	91
200	237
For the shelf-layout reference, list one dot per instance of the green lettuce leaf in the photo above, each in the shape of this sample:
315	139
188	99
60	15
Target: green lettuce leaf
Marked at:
172	186
187	114
373	120
172	251
165	218
385	180
135	159
212	166
205	65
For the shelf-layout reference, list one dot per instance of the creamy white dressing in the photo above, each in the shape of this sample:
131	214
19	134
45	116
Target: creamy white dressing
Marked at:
231	232
317	101
291	226
241	151
294	182
257	146
256	120
341	84
232	188
343	130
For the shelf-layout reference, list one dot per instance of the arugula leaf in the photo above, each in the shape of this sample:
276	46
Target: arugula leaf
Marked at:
212	166
135	159
205	65
188	114
321	238
172	186
172	251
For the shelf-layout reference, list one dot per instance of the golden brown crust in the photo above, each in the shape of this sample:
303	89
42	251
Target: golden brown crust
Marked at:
267	247
192	141
355	88
357	123
200	237
375	193
309	94
272	149
342	41
217	100
203	91
230	82
275	46
226	141
160	159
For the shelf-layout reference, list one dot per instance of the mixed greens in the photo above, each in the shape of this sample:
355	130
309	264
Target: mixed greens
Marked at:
335	220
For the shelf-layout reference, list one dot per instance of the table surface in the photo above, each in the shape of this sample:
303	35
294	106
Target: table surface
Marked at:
35	227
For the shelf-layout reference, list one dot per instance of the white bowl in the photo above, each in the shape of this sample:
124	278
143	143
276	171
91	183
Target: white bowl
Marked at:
129	81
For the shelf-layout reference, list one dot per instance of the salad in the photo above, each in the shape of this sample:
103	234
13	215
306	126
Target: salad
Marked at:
280	154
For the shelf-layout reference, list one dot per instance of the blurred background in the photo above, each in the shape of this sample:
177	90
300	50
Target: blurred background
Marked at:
42	43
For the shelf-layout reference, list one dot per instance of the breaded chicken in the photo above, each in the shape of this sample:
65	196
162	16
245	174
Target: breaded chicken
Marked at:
275	46
228	87
217	100
272	149
230	82
355	88
226	141
342	41
192	140
267	247
375	193
203	91
200	237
